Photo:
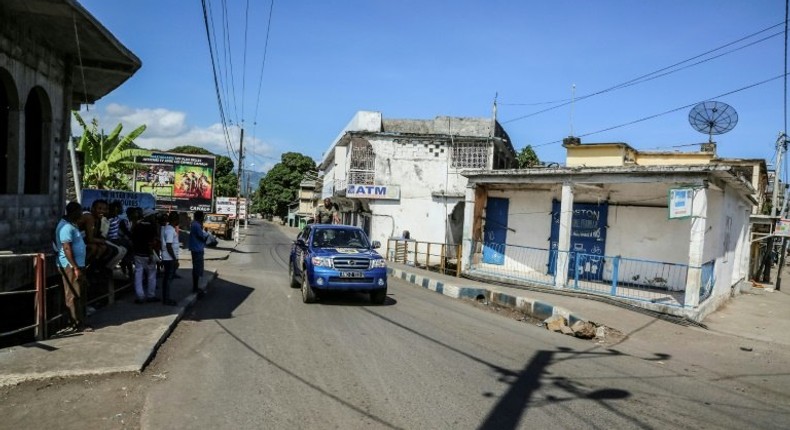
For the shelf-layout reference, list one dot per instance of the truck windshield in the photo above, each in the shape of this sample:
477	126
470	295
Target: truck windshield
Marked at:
214	218
340	238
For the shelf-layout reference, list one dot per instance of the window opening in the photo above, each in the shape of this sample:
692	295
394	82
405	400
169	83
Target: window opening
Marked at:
470	155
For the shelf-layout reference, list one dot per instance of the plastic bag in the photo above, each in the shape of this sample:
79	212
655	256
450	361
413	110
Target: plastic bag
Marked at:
211	240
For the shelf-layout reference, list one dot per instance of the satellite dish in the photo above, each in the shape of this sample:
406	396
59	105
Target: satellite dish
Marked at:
713	117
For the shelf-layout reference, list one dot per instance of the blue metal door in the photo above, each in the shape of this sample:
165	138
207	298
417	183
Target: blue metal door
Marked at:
588	239
495	231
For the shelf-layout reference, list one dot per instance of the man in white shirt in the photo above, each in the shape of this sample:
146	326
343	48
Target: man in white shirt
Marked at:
169	256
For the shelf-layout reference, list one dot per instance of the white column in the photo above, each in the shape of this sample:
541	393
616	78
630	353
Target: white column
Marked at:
564	239
699	211
469	221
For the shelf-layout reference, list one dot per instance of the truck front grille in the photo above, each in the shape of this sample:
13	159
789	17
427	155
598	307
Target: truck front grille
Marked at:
349	263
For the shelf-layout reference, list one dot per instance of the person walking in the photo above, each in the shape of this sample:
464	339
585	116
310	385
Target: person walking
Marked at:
143	243
72	253
169	256
197	246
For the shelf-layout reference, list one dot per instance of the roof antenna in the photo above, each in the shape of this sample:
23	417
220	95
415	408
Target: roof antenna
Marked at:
573	102
492	132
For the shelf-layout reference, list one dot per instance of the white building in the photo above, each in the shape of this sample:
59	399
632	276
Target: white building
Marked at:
666	231
391	175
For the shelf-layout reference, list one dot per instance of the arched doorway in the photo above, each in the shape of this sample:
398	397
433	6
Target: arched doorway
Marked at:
8	151
38	120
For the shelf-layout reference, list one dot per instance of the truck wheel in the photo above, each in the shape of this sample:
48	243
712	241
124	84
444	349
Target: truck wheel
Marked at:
308	293
292	275
377	297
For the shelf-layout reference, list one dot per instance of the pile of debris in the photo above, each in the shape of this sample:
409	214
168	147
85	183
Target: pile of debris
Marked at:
580	329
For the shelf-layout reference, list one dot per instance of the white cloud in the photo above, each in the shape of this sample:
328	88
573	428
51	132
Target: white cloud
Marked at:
166	129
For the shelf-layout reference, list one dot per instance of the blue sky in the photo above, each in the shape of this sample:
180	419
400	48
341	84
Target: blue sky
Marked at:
420	59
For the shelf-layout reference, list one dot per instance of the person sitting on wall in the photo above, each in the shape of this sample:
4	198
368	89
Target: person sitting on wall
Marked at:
100	251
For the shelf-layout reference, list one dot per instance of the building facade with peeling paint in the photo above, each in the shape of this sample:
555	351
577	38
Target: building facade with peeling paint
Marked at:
666	231
391	175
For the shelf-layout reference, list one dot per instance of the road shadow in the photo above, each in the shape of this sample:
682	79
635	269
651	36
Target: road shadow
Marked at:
220	301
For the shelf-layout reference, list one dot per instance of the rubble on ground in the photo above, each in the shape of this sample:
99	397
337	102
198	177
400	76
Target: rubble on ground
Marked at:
580	329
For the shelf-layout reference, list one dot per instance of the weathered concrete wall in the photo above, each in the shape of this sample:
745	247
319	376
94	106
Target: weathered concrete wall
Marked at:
26	220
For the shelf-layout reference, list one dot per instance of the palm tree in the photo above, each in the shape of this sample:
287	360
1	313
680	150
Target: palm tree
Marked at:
109	160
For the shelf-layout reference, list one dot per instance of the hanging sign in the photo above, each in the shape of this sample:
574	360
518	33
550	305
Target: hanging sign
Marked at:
782	228
680	202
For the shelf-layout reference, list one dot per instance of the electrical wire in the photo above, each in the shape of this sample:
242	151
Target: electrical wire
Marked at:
667	112
244	62
660	72
216	80
263	63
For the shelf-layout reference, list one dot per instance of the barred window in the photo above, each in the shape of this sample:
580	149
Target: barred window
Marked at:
362	164
470	155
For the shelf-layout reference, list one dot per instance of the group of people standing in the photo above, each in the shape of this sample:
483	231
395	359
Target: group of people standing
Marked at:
142	241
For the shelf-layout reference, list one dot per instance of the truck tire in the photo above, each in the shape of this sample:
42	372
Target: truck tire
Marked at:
378	297
292	275
308	294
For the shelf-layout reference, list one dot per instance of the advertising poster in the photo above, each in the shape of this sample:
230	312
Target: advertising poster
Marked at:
180	182
128	199
227	206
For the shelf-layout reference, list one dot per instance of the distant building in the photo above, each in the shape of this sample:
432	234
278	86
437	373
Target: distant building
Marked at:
390	175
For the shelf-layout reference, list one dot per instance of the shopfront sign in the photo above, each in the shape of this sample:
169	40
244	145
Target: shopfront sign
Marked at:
381	192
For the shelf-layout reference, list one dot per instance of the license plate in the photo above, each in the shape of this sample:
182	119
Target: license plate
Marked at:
351	274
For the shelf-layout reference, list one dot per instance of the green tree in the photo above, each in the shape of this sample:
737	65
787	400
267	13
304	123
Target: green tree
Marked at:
280	186
527	158
225	179
109	159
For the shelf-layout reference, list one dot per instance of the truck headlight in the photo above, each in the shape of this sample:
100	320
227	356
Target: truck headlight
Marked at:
322	262
375	264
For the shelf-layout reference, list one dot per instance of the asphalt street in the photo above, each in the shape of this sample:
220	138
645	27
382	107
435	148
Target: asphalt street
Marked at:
252	355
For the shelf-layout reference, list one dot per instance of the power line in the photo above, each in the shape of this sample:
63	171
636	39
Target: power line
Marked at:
244	62
263	62
661	72
669	111
216	80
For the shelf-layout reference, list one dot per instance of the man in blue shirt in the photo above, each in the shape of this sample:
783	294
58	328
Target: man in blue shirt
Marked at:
197	246
71	259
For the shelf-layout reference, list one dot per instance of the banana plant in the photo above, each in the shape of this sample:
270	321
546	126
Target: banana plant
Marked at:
109	160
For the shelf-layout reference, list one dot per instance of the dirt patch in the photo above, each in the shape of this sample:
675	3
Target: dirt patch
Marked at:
611	336
105	402
505	311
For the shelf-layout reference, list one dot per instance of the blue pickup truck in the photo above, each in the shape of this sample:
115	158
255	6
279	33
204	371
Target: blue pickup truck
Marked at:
330	257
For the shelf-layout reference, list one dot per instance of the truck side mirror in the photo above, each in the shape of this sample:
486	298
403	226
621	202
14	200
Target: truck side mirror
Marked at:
376	244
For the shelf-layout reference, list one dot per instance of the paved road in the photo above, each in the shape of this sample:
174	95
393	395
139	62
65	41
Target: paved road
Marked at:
252	355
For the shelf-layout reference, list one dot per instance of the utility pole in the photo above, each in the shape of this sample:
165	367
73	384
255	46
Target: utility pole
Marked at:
781	146
236	232
778	286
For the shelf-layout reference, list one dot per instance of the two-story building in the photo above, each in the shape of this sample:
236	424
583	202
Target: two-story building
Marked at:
391	175
666	230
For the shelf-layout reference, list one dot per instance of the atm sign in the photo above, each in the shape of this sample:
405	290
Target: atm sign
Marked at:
383	192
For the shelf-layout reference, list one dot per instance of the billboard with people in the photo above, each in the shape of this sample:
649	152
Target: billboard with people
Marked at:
180	182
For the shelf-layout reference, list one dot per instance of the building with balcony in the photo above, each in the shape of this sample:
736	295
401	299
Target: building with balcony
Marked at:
390	175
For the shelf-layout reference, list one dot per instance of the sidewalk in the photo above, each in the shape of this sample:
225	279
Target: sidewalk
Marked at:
125	337
761	315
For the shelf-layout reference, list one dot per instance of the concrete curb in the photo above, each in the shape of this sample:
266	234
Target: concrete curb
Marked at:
186	303
138	363
536	308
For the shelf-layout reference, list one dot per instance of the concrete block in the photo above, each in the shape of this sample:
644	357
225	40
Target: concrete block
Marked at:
555	323
583	329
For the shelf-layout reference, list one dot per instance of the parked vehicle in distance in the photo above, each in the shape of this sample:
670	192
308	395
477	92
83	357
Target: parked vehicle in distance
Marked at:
330	257
220	225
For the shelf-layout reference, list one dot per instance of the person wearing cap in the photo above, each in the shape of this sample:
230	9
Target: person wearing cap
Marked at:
143	243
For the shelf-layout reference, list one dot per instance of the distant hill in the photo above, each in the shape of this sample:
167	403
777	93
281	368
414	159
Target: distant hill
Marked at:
255	178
